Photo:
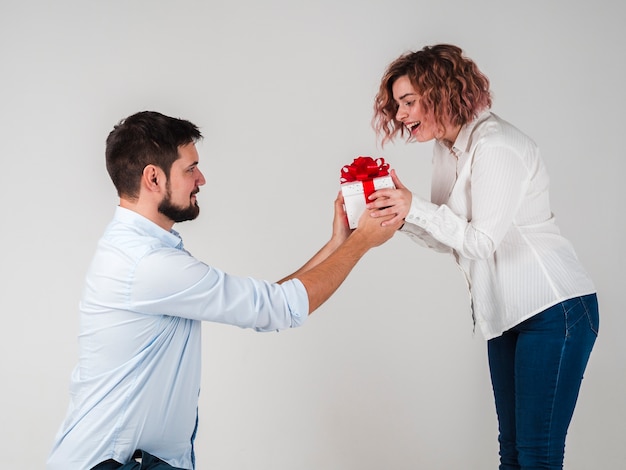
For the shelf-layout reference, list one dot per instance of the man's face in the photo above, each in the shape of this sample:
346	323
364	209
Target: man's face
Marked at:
179	203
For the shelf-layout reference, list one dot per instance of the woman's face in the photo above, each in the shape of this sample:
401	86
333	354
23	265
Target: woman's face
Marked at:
421	125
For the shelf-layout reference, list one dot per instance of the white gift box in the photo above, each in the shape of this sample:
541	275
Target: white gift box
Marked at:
354	196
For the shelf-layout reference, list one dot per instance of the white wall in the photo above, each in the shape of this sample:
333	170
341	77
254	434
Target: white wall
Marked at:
387	374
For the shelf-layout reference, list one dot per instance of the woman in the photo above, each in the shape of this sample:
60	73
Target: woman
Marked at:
530	297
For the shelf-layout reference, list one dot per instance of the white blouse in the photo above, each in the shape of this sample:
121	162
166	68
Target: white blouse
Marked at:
490	208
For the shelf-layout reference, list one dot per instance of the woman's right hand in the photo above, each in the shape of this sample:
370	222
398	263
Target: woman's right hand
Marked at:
389	201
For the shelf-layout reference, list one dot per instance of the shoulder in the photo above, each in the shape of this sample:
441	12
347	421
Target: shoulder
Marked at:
494	127
133	237
493	131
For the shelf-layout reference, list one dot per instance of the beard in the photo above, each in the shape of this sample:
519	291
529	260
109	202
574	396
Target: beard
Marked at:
177	213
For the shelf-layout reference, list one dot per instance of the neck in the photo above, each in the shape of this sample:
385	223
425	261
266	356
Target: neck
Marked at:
450	136
149	211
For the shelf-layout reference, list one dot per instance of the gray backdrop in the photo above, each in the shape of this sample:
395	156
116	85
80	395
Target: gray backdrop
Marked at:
387	374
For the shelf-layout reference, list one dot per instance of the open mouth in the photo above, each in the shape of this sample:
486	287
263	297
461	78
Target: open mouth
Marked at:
412	126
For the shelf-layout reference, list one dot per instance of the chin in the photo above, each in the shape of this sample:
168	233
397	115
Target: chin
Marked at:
424	138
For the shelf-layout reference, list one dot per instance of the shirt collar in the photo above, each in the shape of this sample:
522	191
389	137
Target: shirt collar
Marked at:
126	216
462	142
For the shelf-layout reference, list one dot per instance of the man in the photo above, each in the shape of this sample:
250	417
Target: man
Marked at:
134	392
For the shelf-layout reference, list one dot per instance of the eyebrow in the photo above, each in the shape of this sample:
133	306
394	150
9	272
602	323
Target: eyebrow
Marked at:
405	95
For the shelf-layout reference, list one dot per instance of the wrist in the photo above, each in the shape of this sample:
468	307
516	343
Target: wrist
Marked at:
334	243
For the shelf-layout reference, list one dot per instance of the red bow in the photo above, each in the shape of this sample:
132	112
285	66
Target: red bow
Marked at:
364	168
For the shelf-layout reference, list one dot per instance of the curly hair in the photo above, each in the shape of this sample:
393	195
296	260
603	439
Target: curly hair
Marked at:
450	85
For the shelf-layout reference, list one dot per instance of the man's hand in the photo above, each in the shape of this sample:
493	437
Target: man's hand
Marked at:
374	230
341	229
330	266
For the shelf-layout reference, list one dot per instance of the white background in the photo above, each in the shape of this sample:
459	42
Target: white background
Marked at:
387	374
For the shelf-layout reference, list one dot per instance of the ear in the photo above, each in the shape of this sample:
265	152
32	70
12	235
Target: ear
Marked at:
152	178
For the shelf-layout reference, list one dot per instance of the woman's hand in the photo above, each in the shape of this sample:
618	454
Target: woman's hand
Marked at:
396	202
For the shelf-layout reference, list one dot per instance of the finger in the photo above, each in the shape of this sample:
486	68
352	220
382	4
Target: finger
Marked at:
384	211
395	220
381	194
339	198
396	181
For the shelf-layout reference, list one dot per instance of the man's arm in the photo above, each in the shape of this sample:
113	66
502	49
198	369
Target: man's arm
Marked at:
330	266
341	232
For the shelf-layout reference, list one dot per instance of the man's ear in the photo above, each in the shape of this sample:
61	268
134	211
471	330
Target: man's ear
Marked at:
152	177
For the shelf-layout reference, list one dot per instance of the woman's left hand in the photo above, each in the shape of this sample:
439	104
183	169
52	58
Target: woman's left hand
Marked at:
390	201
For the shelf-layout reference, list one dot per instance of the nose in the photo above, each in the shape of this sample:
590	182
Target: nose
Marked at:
201	181
401	114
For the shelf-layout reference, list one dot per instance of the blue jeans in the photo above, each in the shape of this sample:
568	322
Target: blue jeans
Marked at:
536	371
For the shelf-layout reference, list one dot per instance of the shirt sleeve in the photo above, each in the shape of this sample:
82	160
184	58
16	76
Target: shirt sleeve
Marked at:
498	181
423	238
172	282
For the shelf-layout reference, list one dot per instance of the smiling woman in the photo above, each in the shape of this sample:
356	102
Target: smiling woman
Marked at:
420	121
490	209
430	94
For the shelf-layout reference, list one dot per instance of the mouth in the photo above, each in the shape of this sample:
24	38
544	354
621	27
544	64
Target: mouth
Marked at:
412	126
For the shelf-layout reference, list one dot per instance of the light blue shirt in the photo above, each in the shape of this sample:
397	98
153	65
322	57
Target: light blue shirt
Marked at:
137	380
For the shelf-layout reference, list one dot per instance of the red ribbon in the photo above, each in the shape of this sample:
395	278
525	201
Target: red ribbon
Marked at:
365	169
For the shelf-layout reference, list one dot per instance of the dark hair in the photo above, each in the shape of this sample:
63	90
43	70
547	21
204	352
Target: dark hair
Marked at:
450	85
145	138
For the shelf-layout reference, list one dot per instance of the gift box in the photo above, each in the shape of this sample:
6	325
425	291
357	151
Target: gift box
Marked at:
360	179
